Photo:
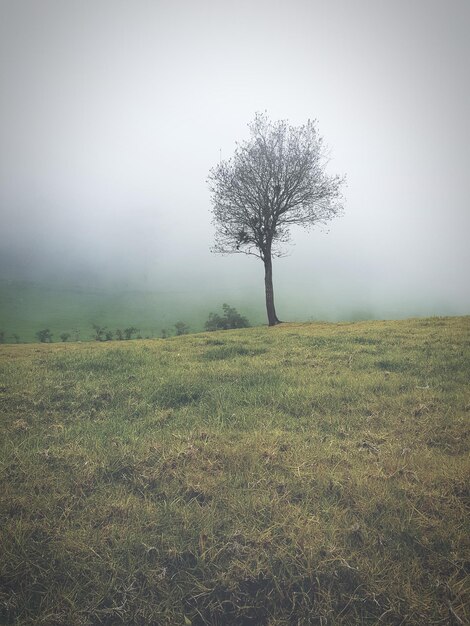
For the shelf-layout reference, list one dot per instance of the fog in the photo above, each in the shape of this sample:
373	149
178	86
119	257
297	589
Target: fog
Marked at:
112	112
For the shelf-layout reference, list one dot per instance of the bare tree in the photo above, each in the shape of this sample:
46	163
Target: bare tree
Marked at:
274	180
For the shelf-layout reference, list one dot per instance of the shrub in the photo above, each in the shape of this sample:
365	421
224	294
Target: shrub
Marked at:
128	332
99	332
102	333
44	336
215	322
181	328
231	318
64	337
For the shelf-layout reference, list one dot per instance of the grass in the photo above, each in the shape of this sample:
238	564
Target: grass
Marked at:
26	308
303	474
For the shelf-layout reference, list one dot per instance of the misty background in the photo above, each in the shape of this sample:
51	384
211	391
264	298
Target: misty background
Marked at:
112	112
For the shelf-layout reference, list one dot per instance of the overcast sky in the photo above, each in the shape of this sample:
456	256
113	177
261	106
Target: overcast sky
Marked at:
113	111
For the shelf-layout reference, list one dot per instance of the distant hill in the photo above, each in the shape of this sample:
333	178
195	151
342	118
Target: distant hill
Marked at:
26	307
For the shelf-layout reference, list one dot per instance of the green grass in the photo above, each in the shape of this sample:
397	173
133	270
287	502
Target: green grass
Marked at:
26	308
302	474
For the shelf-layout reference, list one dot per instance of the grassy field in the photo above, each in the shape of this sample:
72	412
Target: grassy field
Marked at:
28	307
303	474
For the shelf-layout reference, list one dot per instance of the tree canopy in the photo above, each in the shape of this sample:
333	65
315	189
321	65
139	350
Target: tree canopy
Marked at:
275	180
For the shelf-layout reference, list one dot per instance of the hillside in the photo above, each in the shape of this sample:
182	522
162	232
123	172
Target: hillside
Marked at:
302	474
26	307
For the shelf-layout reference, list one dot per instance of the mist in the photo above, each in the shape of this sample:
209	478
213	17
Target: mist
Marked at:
113	112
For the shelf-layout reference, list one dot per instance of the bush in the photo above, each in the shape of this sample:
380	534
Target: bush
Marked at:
181	328
128	332
99	332
65	336
44	336
215	322
231	318
102	333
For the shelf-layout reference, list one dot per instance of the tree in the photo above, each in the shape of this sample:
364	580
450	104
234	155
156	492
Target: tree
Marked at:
215	322
102	333
128	332
16	337
274	180
99	332
44	336
233	317
65	337
181	328
230	319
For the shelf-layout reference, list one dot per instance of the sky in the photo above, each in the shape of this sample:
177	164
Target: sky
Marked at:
112	113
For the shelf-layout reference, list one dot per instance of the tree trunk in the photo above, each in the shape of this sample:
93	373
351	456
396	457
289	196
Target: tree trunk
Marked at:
268	283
